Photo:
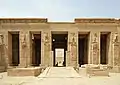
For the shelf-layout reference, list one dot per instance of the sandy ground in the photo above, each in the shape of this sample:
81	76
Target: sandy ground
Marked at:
60	76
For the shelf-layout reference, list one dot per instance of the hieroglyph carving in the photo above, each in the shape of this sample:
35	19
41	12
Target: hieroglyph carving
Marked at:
73	42
46	41
115	38
46	48
73	46
116	49
1	39
95	49
1	47
95	44
23	40
24	45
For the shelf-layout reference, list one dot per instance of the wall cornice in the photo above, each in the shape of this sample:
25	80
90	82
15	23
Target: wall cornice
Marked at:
97	20
23	20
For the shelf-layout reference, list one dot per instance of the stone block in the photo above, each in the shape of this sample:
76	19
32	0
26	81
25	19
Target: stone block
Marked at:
82	71
93	70
2	68
98	72
115	69
33	71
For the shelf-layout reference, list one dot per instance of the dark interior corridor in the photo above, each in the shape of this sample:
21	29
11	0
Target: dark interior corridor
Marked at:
15	49
104	39
36	47
83	49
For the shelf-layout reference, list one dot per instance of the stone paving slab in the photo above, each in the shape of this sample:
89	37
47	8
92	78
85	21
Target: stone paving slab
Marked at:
60	76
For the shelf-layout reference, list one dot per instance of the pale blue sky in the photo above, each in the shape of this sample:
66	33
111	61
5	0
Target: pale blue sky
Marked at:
60	10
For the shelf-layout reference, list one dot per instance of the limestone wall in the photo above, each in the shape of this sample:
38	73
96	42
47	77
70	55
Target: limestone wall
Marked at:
72	29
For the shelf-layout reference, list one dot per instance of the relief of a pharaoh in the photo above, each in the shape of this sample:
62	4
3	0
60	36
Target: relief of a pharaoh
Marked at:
1	39
24	41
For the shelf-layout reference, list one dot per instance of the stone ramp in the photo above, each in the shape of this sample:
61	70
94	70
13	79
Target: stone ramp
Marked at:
59	72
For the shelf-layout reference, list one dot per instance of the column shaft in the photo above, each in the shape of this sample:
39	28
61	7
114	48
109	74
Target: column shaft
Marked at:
25	55
95	48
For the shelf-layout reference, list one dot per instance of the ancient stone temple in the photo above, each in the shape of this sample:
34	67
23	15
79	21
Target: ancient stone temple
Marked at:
31	42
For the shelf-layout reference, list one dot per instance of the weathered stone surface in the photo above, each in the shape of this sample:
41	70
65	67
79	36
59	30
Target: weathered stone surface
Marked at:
92	26
24	71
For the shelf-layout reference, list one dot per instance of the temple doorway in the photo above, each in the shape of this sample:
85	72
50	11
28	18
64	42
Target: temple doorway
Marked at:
83	48
59	48
36	49
13	41
104	46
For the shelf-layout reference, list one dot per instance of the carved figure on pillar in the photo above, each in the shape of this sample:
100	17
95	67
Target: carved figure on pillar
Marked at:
46	48
1	39
95	49
46	40
116	50
1	48
24	41
115	38
73	47
24	45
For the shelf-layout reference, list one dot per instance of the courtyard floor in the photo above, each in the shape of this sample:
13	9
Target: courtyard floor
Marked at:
60	76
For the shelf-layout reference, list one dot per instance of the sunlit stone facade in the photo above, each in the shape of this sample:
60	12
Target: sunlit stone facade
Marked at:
19	35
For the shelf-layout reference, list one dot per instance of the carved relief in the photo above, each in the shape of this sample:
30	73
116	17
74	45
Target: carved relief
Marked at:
73	42
115	38
1	48
95	39
23	40
1	39
95	43
46	37
116	49
95	48
73	46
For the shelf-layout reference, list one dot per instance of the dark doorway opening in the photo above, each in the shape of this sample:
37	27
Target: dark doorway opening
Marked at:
36	49
59	41
15	49
83	49
104	46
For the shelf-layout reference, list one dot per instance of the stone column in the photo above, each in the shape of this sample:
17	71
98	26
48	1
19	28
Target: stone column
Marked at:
110	50
2	54
25	55
116	53
95	48
1	49
46	49
90	49
7	49
72	49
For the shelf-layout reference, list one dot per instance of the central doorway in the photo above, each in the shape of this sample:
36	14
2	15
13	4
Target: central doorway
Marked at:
59	57
59	48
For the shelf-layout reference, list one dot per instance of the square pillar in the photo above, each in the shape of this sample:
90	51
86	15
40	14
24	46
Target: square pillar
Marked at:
116	53
72	57
46	49
94	57
2	54
25	51
7	49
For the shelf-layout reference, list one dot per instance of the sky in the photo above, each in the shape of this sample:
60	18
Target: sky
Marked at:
60	10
